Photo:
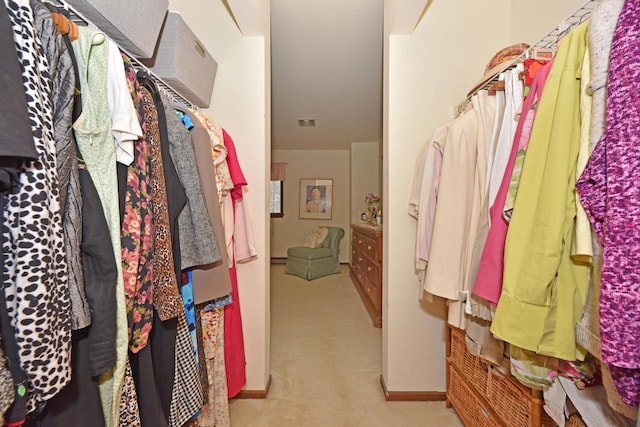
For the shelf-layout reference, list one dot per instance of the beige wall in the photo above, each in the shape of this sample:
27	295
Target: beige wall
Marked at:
240	104
424	78
529	23
366	175
327	164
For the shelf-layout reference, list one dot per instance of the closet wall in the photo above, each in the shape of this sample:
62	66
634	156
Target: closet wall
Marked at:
241	103
424	78
366	174
530	25
327	164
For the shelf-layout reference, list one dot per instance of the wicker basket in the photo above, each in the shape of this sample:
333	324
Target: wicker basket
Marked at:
472	410
513	403
575	421
474	369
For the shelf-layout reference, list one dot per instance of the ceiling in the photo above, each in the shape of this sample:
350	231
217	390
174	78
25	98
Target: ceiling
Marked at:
326	62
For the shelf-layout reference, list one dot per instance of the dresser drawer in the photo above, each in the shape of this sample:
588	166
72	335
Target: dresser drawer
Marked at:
359	275
366	268
371	271
372	291
370	247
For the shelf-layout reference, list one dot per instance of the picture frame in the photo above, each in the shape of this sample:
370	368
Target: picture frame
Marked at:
363	217
316	198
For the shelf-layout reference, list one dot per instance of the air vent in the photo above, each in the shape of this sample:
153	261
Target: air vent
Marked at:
307	123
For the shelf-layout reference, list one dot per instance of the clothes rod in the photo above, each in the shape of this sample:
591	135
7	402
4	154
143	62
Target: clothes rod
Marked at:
552	38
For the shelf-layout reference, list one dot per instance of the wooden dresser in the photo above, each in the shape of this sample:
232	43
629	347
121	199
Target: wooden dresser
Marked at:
366	268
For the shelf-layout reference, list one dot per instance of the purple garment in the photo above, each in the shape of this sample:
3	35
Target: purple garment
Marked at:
609	189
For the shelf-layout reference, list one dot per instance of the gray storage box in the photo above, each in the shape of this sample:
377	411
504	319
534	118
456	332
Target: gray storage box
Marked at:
134	25
182	61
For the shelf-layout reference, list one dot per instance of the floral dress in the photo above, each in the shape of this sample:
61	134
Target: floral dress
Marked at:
137	232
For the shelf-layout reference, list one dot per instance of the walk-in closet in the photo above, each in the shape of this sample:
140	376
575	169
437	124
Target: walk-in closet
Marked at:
315	213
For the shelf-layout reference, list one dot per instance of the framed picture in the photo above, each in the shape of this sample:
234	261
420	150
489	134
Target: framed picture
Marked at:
363	217
316	196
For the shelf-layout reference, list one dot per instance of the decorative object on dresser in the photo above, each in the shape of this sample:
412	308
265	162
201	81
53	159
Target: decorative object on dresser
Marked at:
373	209
366	268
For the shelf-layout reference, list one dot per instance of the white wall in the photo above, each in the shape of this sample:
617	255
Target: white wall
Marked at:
240	104
426	73
326	164
365	175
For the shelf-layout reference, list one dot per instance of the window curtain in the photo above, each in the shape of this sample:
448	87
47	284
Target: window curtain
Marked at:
278	171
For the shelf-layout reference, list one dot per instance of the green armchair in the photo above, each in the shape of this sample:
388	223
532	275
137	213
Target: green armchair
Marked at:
311	263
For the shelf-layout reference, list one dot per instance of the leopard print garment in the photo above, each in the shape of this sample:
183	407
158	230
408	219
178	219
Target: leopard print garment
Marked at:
35	266
166	296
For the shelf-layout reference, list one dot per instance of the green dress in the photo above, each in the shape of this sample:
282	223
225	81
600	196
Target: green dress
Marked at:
98	149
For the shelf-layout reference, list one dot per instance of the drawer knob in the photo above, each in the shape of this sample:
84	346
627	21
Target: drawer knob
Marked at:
369	247
359	241
359	259
368	289
368	268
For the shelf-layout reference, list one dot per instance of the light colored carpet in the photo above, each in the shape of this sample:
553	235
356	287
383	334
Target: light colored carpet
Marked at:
325	363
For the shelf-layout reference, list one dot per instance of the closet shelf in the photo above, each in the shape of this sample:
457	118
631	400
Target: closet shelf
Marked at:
165	87
552	38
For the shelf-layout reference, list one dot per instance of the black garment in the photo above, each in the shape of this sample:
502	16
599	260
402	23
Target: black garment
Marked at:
144	376
101	275
78	404
16	138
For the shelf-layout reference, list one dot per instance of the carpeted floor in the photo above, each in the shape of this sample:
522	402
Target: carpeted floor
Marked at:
326	363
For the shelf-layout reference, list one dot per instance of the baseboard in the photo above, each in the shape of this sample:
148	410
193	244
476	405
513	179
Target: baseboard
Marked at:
255	394
429	396
284	261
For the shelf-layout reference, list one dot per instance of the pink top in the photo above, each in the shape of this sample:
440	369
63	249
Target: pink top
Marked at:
488	284
234	167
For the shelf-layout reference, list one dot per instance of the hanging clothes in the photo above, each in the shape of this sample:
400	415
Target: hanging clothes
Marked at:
608	192
488	283
97	147
94	347
36	277
63	78
244	246
166	297
601	28
539	275
243	251
582	249
137	227
446	273
125	125
422	201
198	243
18	143
514	95
216	411
188	396
165	336
209	281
